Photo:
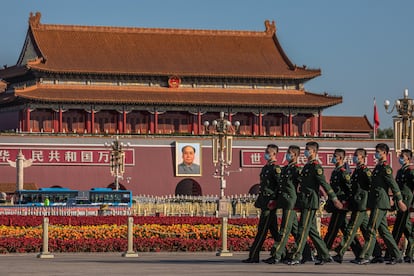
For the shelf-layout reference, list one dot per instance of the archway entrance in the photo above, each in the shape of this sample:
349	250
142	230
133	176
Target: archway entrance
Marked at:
255	189
189	187
113	187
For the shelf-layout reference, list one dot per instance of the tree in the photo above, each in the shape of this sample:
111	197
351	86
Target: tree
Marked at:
386	133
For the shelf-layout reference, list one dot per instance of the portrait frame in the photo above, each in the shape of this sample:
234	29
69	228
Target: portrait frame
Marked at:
182	169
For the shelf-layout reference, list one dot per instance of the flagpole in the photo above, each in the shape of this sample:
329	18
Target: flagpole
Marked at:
375	125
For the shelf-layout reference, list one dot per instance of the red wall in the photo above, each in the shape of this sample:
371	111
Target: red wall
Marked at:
154	170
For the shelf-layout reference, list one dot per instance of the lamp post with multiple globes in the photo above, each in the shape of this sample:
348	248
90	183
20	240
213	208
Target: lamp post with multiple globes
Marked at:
403	122
222	130
117	160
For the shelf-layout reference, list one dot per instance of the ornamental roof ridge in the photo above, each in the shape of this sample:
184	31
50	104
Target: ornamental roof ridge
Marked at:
34	21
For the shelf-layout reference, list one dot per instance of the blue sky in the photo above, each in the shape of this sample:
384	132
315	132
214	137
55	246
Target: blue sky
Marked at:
365	48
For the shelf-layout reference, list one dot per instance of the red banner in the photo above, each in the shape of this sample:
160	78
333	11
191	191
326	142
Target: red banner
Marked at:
64	156
255	158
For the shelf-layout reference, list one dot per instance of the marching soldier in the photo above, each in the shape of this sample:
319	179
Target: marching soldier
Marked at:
379	204
308	202
286	200
360	185
340	183
269	181
402	224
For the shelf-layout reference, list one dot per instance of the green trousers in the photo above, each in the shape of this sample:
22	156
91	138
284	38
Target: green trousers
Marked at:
267	222
358	220
378	222
289	218
308	228
338	222
403	225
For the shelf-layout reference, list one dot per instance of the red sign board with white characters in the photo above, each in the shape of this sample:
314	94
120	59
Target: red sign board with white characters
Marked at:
90	156
255	158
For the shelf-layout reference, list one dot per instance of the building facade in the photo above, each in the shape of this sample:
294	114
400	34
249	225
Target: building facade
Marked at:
74	88
97	80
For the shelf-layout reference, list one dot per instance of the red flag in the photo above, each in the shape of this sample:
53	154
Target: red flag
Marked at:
376	117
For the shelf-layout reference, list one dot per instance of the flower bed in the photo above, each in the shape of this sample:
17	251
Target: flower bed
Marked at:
109	234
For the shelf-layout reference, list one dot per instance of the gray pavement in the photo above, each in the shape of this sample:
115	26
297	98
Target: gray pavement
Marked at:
165	263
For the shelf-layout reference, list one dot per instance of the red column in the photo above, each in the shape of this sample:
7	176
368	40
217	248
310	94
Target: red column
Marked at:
290	131
156	122
320	124
260	124
92	121
27	119
60	124
124	121
199	124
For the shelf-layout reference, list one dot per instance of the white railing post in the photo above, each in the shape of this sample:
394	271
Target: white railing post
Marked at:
130	252
45	254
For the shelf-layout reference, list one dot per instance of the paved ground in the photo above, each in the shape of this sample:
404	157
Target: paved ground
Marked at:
105	264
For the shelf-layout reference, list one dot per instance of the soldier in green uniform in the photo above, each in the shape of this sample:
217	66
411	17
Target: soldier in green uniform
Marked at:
379	204
360	185
308	202
286	200
270	177
341	184
402	224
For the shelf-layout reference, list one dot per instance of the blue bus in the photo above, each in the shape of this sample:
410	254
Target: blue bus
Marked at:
100	196
68	197
54	196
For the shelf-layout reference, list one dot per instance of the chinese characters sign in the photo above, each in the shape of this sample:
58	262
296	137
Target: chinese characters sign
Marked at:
64	156
255	158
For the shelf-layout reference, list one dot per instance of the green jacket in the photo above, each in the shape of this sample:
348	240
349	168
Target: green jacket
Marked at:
360	186
312	177
286	194
405	181
270	177
382	181
341	184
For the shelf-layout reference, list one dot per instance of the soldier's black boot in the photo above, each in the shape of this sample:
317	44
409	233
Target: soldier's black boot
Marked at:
338	259
250	261
408	259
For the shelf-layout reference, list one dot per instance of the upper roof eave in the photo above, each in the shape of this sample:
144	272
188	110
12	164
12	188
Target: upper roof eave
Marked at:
305	76
177	96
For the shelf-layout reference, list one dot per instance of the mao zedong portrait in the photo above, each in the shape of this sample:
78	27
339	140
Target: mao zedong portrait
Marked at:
187	166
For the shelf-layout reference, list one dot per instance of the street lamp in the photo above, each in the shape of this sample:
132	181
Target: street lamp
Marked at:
222	130
117	160
403	122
